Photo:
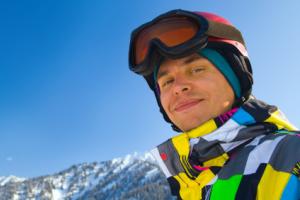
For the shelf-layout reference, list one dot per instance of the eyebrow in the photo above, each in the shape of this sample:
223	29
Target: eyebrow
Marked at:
192	59
185	62
161	74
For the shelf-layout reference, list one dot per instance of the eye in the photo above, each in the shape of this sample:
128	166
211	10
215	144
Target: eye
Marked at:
197	69
166	82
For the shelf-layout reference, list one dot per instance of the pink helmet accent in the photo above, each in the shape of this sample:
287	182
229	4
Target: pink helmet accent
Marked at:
214	17
219	19
237	44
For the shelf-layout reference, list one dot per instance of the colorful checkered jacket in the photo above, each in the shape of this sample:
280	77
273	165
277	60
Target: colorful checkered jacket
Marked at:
251	152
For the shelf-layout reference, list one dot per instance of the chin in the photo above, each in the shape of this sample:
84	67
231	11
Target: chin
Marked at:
190	124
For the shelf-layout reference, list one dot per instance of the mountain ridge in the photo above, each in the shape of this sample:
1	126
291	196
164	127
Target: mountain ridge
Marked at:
135	176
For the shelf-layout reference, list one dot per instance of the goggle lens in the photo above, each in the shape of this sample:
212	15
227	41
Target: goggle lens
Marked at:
171	31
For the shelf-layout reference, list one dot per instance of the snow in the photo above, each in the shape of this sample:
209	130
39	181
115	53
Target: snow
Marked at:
116	160
130	158
15	197
57	194
125	162
91	181
4	180
148	157
108	186
79	179
151	173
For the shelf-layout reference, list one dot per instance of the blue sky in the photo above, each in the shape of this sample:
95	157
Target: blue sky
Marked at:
68	97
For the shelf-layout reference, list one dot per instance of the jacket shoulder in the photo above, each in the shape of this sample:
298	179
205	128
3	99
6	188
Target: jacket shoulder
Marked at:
286	155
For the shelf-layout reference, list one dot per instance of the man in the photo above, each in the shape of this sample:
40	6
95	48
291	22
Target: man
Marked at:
230	145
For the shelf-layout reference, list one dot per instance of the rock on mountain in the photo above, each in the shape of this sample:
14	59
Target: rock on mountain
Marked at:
132	177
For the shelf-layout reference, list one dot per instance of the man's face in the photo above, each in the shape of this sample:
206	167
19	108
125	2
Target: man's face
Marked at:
192	91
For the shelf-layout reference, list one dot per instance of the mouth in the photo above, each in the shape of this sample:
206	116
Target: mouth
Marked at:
186	105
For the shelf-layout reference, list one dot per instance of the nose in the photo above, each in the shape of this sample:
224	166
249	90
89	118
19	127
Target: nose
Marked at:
181	86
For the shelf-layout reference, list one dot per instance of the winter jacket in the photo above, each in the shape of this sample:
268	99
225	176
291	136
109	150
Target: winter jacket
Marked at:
250	152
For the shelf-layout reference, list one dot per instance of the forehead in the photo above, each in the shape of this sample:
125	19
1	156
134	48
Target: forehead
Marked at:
168	65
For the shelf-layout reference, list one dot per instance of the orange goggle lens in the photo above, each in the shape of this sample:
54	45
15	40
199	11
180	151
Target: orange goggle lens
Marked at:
171	31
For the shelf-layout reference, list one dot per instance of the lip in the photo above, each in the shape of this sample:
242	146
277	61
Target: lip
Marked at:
187	104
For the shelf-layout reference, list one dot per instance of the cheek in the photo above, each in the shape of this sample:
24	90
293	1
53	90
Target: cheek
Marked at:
224	94
164	100
205	87
214	90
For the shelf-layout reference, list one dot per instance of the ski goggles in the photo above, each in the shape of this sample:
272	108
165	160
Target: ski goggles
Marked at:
176	34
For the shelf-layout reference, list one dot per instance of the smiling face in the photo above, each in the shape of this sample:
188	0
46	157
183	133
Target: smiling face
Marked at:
193	91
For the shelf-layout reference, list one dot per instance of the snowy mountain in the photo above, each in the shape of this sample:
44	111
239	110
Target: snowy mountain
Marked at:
132	177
